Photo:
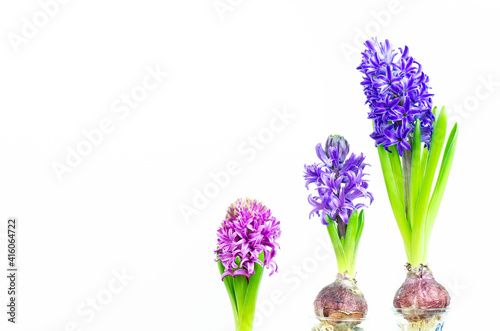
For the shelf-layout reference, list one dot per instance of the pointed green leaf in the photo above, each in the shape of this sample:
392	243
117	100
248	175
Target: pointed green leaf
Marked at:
394	198
248	310
361	224
423	165
350	241
337	245
228	283
240	291
397	171
240	284
418	232
437	195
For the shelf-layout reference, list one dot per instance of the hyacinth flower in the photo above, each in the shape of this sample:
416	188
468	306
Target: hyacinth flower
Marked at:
246	243
340	185
409	134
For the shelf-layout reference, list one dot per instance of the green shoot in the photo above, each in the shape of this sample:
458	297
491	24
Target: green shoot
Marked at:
418	233
228	283
243	294
346	249
395	200
437	195
248	310
397	171
416	212
240	289
337	245
350	241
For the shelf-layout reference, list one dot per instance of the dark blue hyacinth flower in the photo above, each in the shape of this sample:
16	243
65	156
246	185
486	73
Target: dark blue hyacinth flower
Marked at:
397	93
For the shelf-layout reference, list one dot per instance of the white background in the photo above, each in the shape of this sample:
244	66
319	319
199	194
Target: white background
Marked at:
118	209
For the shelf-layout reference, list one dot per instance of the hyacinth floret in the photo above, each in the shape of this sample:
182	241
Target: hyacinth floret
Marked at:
397	92
248	230
339	180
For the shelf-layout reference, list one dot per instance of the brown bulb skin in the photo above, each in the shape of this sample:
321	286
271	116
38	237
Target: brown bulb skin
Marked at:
341	300
420	291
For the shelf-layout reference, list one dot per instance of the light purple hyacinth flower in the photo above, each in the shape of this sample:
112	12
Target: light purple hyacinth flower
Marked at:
339	181
248	230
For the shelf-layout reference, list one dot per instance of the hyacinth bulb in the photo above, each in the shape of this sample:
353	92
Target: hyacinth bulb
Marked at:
420	291
341	300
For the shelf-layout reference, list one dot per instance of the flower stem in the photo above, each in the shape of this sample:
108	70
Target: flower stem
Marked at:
407	156
415	166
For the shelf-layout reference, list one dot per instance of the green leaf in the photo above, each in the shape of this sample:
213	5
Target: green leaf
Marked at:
337	245
423	165
418	231
425	157
415	173
361	224
397	171
437	195
228	283
394	198
248	310
350	241
240	291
